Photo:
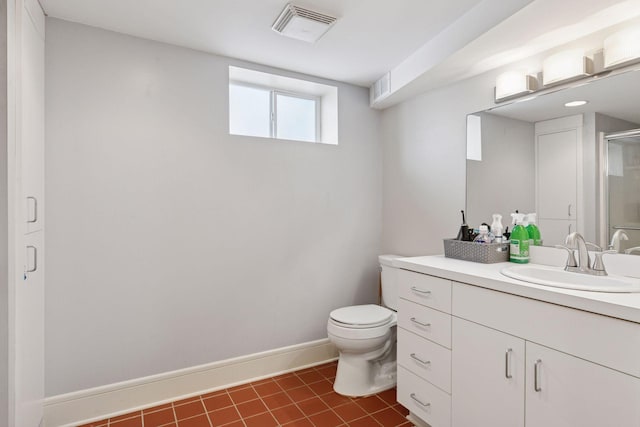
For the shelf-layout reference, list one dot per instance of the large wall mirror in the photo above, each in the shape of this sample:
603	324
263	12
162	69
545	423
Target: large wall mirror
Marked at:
578	167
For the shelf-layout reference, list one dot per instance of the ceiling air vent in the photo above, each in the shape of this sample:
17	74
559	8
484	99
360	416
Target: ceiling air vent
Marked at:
302	24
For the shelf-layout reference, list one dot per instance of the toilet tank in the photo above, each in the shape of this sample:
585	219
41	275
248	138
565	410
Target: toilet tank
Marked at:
389	281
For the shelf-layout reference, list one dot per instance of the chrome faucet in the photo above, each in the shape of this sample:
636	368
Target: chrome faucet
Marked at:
575	240
617	237
583	265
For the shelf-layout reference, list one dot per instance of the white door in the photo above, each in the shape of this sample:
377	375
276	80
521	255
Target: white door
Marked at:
564	391
556	175
487	377
29	363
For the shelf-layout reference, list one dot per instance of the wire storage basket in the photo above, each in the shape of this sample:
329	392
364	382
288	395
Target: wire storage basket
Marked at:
485	253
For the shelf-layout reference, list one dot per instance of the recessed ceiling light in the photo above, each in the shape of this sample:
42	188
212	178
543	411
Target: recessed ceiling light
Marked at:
575	103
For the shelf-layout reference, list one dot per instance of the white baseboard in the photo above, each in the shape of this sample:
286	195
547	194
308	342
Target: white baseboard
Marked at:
98	403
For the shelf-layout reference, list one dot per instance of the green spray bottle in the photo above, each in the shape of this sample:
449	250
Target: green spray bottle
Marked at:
519	248
535	239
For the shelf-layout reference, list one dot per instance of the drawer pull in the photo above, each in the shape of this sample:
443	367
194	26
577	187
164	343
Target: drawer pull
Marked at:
417	359
35	210
420	402
29	268
420	291
419	323
536	375
507	364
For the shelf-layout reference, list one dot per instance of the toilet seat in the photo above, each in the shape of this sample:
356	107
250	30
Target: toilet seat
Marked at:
361	316
361	322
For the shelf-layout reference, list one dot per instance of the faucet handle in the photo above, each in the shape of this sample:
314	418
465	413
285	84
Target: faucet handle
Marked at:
632	250
593	246
598	264
571	259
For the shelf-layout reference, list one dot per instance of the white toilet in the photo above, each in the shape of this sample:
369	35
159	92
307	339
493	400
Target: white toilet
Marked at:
365	336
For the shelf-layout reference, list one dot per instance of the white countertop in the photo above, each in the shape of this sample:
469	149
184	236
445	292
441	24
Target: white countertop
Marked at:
624	306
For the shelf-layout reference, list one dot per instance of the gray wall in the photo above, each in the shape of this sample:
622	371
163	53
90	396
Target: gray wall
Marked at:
505	178
171	243
424	149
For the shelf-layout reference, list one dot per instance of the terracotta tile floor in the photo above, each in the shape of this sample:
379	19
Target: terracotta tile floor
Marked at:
299	399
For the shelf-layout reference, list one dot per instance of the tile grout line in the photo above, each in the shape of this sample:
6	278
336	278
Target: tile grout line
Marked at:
265	405
295	402
206	413
236	408
307	417
330	407
175	416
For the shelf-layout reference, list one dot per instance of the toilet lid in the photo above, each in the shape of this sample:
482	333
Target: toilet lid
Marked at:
369	315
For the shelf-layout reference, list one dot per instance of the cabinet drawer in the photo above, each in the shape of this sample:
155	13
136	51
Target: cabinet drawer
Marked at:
424	321
423	399
425	359
427	290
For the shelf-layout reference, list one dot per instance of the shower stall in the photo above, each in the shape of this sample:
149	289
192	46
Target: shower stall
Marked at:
620	190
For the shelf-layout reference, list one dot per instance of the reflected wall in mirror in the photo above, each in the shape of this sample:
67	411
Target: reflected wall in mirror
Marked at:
537	155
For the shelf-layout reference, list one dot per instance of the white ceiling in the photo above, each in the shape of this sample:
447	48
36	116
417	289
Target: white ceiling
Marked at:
424	44
369	39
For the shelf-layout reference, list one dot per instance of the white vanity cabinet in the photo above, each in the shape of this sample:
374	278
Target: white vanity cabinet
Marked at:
424	346
515	361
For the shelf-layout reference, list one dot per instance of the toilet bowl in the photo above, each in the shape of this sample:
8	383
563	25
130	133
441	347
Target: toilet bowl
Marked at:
367	363
365	336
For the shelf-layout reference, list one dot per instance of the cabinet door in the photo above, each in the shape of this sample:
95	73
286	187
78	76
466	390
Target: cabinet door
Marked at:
32	115
556	174
487	377
29	293
564	391
29	337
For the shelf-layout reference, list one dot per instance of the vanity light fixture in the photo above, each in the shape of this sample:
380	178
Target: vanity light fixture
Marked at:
622	47
576	103
512	84
565	66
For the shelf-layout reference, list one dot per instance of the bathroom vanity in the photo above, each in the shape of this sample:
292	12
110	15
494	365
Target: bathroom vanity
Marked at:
476	348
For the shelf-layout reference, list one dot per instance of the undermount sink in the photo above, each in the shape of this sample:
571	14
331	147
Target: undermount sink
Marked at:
558	278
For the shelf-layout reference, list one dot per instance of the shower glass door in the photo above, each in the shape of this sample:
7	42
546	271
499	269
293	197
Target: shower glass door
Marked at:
623	186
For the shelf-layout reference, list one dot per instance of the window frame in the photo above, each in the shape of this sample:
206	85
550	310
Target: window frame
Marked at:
273	108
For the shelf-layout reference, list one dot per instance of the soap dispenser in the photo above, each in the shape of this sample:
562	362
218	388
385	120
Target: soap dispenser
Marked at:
519	249
496	228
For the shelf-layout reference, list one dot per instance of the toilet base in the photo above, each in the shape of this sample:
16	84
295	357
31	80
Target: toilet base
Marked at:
358	377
